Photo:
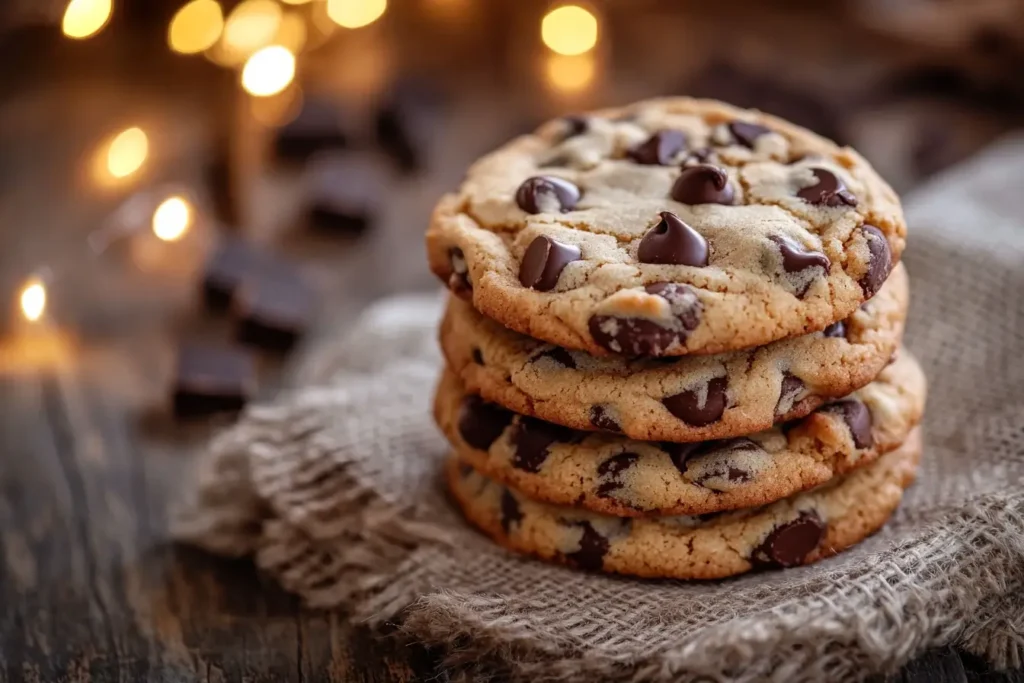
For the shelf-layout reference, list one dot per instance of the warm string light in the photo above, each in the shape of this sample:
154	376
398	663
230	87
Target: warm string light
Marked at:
355	13
250	27
196	27
33	299
172	219
268	71
569	30
127	152
85	18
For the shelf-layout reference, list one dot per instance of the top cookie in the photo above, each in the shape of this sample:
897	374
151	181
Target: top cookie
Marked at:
665	228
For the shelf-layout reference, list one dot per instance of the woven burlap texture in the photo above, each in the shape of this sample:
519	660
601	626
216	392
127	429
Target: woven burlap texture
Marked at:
335	490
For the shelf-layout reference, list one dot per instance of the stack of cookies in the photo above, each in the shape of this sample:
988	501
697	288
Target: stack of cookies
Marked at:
673	343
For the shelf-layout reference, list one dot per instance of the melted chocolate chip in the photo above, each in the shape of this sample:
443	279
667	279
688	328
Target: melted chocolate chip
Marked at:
611	469
796	259
478	357
700	155
789	544
703	184
686	405
600	418
857	417
836	330
510	512
458	281
593	548
543	263
879	263
547	194
642	337
829	190
575	125
532	437
659	149
672	241
481	423
719	466
792	387
557	354
747	133
679	453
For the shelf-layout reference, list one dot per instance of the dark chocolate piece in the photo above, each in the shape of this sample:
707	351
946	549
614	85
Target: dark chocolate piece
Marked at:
345	192
404	120
273	310
233	262
212	379
317	127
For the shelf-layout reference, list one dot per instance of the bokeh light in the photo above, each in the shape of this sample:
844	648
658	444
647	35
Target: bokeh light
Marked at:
251	26
172	218
268	71
277	110
127	152
84	18
570	74
355	13
33	299
292	32
296	2
569	30
196	27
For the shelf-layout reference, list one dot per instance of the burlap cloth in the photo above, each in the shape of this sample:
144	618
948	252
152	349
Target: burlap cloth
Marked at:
335	491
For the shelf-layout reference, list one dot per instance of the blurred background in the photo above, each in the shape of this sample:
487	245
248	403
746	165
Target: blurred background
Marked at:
161	156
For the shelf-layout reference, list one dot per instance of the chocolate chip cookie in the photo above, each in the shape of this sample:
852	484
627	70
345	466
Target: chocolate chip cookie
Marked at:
657	398
795	531
669	227
612	474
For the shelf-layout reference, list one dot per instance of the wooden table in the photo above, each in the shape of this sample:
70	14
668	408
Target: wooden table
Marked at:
92	588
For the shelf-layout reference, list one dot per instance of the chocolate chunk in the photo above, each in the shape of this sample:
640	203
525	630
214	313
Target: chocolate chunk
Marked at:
575	125
547	194
680	453
543	263
317	127
211	379
593	548
557	354
510	512
600	418
796	259
458	281
481	423
233	262
700	155
747	133
789	544
672	241
703	184
687	407
659	149
478	356
610	470
857	417
642	337
717	465
836	330
532	437
273	310
344	193
792	388
829	190
879	263
405	120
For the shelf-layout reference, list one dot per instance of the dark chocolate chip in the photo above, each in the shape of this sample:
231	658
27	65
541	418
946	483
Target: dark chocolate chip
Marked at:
703	184
857	417
747	133
796	259
829	190
686	405
792	387
458	281
836	330
700	155
721	467
532	437
557	354
593	548
478	356
679	453
610	469
510	512
547	194
674	242
642	337
211	379
481	423
543	262
600	418
273	311
575	125
659	149
789	544
879	262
